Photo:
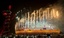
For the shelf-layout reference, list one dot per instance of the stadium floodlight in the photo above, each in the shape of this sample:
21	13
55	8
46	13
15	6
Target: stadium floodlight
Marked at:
17	18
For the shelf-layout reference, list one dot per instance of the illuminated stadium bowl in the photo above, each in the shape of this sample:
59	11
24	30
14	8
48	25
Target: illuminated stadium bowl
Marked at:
38	22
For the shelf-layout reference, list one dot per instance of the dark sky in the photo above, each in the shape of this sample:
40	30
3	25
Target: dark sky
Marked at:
25	3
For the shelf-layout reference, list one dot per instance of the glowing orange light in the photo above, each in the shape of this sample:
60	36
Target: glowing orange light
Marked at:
57	14
39	31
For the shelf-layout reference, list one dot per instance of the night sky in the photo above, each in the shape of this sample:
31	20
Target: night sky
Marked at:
19	4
